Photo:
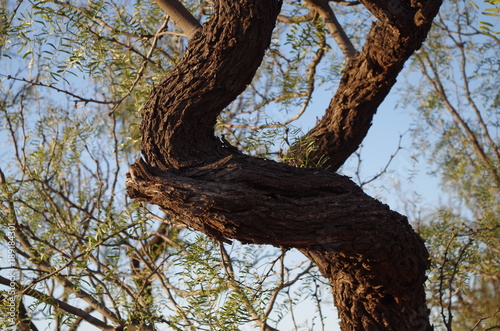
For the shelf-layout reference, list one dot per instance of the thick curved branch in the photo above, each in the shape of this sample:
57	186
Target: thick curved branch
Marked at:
366	81
218	65
321	213
258	188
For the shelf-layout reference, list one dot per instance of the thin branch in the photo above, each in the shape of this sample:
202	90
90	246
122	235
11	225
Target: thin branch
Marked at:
45	266
441	283
98	20
76	323
143	66
233	284
297	19
168	288
60	304
479	321
317	299
439	88
180	16
333	25
307	93
51	86
125	46
273	298
468	96
25	321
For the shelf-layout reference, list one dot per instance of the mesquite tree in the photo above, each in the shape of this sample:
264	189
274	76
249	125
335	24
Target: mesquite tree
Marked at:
372	257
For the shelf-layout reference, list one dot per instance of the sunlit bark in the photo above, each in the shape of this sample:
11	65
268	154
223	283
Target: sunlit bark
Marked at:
374	260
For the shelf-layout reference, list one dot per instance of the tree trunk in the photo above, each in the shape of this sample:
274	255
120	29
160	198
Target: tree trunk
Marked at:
372	257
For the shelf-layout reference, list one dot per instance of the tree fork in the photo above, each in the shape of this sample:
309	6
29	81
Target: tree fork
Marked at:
371	255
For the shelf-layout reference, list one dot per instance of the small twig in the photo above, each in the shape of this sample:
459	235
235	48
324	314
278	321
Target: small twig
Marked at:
143	66
307	94
80	99
478	323
381	172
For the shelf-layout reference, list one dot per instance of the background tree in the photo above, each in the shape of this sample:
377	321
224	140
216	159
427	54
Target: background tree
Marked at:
84	254
457	132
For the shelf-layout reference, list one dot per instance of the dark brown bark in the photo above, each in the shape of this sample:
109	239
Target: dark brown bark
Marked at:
221	60
370	254
374	260
366	81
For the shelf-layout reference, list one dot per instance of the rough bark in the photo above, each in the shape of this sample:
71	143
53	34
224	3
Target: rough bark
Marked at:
367	79
374	260
372	257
